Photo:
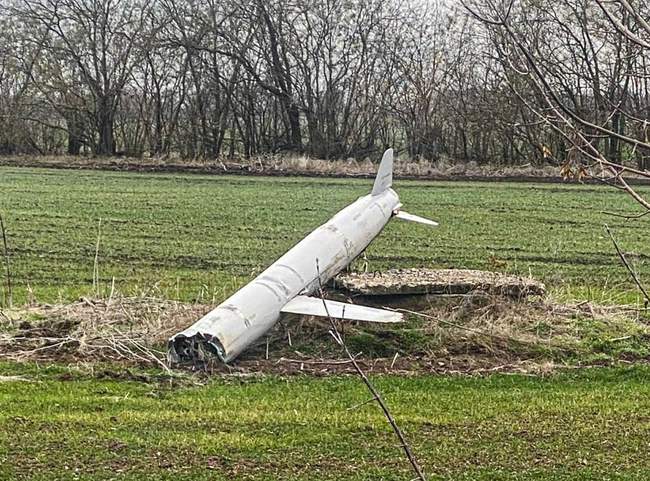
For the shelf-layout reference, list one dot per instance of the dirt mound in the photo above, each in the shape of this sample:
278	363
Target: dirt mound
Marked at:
439	281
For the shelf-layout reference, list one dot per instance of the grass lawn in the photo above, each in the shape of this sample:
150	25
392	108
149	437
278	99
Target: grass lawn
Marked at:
586	425
196	237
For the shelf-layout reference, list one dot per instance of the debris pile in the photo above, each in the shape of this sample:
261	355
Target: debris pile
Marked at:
438	282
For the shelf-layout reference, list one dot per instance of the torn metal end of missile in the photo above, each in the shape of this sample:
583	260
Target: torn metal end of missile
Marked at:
199	347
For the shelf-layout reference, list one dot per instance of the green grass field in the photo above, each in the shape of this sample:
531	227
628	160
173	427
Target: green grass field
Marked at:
195	237
587	425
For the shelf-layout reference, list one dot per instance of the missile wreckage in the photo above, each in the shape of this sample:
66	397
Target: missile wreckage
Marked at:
287	285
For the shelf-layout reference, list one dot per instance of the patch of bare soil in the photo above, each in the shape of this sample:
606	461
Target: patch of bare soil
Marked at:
472	333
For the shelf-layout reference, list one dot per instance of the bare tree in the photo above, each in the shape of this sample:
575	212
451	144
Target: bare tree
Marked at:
332	79
86	45
580	61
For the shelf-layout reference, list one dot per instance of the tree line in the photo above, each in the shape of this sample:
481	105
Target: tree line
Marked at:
203	79
580	67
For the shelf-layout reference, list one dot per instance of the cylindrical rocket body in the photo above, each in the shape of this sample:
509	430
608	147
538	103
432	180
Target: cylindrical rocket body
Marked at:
253	310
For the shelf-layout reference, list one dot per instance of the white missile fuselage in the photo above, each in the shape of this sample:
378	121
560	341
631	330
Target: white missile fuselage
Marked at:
253	310
285	286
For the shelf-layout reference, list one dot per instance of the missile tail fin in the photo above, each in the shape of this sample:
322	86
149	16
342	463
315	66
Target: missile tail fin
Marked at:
415	218
384	178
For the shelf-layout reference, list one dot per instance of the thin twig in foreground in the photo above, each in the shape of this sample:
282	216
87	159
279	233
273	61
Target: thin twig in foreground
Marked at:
628	267
9	293
371	387
96	263
626	216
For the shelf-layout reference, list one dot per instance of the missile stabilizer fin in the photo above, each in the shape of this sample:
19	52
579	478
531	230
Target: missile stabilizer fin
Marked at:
414	218
314	306
384	178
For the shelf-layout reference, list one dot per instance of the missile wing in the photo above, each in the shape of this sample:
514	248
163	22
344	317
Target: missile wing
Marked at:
314	306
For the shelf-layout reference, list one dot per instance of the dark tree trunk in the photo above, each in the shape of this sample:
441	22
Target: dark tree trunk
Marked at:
157	143
295	135
75	133
105	127
614	149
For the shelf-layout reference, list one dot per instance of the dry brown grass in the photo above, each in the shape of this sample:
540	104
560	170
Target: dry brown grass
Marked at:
119	329
287	164
404	167
468	334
